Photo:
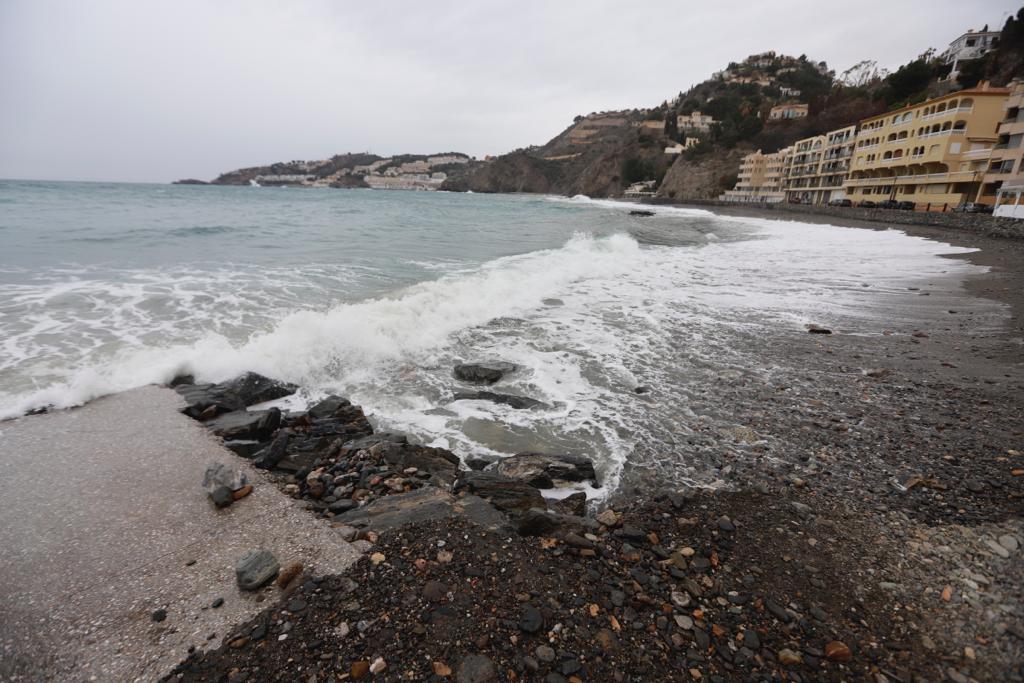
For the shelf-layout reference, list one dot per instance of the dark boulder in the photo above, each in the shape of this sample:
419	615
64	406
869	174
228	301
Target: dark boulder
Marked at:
269	457
640	212
505	493
424	504
206	400
244	448
483	373
328	407
575	504
441	464
518	402
546	471
539	522
256	425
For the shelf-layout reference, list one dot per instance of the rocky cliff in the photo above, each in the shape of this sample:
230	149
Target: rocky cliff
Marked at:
702	177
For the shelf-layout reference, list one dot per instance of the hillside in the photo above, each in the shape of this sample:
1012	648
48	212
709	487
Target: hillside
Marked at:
714	124
406	172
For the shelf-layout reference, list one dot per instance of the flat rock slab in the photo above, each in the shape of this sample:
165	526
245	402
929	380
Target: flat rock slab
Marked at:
427	503
104	521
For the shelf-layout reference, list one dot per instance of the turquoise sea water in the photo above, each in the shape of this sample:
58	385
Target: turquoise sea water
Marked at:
375	294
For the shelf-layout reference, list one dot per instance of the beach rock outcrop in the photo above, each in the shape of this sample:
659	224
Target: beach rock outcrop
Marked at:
427	503
547	471
208	400
442	465
518	402
256	425
487	372
328	407
505	493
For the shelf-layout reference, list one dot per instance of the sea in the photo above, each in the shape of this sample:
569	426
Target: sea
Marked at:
611	318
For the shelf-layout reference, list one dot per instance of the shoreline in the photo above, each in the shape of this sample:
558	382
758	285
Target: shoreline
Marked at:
894	454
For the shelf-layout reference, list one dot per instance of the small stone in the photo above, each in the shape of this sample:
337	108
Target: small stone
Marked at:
476	669
531	619
238	642
608	517
377	558
545	653
222	496
288	574
441	669
342	630
837	651
359	669
217	603
158	615
974	486
997	548
434	591
684	622
1009	542
725	524
789	658
818	329
378	665
255	569
956	676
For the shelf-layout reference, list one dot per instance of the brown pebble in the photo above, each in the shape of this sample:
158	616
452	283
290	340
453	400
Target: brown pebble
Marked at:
359	669
837	651
288	574
239	642
242	492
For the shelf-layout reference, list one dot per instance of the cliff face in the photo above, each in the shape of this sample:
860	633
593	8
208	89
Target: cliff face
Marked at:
587	158
705	177
517	172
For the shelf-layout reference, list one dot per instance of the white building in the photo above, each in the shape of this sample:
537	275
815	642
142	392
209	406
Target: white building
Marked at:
970	45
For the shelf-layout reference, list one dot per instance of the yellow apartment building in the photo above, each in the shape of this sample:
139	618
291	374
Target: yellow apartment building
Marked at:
934	154
816	167
1005	174
759	179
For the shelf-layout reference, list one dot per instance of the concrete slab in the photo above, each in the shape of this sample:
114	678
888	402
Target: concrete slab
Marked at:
101	514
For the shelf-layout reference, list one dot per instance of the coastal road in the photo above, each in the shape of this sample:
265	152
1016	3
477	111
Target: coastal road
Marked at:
103	520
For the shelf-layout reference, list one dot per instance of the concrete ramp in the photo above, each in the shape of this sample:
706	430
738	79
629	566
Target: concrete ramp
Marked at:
103	520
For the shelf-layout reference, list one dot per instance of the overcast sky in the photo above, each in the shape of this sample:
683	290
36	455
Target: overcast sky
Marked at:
141	90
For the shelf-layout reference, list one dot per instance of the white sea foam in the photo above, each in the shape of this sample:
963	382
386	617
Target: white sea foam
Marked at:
625	310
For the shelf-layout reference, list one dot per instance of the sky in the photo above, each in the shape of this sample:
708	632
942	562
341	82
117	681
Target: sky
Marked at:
152	91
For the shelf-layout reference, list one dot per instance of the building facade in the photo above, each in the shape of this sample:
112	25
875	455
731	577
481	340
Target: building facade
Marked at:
971	45
793	110
1006	165
934	154
759	179
817	167
695	121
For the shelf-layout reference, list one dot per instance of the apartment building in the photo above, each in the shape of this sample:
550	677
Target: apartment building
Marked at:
793	110
1005	174
970	45
695	121
816	168
934	154
760	179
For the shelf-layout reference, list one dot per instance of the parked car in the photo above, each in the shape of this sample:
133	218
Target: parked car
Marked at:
907	206
840	202
867	204
974	207
889	204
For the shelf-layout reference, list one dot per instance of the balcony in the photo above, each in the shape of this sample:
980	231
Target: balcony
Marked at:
947	112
